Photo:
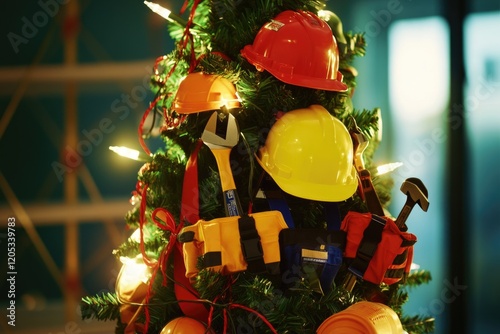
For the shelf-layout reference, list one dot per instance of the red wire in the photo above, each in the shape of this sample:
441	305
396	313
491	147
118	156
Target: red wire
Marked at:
142	222
141	125
187	36
184	7
211	313
184	41
257	314
231	305
224	313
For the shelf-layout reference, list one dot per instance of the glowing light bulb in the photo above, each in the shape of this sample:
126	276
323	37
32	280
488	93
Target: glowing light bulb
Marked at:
414	266
129	153
165	13
387	168
324	14
136	236
134	270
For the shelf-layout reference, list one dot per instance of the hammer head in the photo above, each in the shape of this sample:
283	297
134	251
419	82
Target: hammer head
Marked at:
415	190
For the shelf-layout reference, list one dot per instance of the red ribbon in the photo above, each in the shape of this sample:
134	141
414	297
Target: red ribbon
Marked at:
164	220
190	213
190	210
167	223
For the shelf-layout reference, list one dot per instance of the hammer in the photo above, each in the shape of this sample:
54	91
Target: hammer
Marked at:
416	192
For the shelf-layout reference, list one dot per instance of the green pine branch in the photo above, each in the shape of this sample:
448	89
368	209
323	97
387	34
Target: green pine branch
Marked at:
355	47
418	324
102	307
131	248
221	29
418	277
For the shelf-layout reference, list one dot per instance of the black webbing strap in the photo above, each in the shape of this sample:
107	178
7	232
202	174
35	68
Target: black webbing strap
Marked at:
368	245
312	237
250	245
401	258
395	273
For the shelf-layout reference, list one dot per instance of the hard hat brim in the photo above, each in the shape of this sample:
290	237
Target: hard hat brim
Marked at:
315	192
285	73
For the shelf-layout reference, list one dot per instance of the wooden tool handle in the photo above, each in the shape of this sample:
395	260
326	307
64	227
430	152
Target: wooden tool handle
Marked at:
370	195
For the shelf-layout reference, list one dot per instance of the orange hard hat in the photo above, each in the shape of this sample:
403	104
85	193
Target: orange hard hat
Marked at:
199	92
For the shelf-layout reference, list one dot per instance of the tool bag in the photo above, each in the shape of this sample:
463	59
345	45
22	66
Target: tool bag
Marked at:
234	244
376	250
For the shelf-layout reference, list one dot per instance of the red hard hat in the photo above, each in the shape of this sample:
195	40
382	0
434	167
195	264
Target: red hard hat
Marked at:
298	48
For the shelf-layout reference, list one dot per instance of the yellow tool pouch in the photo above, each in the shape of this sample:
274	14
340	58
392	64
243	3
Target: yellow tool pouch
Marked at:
234	244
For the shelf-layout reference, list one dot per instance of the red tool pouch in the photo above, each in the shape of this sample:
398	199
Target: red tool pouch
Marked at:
376	249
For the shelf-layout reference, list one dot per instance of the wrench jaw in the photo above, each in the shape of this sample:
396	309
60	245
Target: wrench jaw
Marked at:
359	145
221	134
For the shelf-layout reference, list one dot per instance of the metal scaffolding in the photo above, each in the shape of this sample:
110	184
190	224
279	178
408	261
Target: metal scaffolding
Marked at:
71	212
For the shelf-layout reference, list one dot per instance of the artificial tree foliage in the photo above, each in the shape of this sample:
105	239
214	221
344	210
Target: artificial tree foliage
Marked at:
217	30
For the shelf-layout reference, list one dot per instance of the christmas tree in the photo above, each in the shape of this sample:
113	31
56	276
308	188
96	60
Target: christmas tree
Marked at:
260	213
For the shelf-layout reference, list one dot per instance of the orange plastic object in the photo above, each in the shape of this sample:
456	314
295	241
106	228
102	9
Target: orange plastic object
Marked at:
218	240
363	318
185	325
298	48
199	92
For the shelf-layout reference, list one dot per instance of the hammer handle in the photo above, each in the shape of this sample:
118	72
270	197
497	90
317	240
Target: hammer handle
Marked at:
403	215
370	195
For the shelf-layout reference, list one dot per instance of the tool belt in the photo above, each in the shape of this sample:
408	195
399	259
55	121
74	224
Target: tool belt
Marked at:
376	250
313	254
234	244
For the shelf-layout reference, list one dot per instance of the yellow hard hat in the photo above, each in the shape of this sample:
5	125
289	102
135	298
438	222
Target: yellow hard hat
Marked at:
199	92
309	154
